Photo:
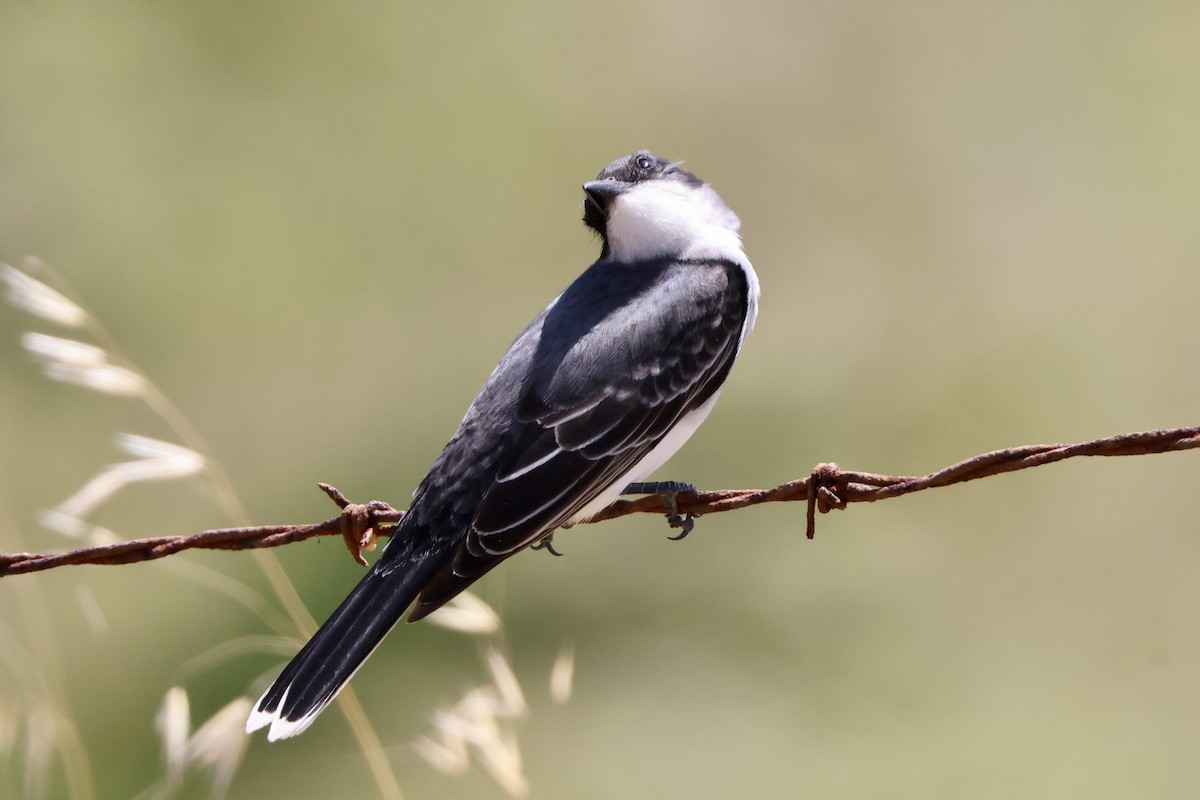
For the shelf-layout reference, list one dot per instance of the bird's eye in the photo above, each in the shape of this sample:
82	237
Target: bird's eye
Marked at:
644	163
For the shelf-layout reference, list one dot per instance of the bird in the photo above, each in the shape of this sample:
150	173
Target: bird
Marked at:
595	394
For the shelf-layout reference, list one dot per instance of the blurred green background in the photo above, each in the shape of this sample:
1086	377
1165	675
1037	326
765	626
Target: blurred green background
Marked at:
975	227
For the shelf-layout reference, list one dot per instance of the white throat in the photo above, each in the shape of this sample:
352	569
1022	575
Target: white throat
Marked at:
670	218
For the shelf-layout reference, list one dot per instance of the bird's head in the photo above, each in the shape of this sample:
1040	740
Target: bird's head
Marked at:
645	207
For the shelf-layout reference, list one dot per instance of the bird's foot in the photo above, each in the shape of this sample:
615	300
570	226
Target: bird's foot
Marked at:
546	543
669	491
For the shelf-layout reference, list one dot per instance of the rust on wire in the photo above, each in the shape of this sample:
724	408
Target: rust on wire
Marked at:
827	488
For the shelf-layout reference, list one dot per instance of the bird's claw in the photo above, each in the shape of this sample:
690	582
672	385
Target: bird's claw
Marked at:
546	543
669	491
685	523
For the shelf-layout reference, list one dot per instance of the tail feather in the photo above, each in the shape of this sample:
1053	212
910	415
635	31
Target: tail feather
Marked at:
323	666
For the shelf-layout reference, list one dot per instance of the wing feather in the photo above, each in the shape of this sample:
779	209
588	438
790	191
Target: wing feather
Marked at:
603	391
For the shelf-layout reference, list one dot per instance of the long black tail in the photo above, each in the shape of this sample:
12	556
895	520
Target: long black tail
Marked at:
339	648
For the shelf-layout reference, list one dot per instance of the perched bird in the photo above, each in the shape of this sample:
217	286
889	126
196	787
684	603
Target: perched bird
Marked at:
598	391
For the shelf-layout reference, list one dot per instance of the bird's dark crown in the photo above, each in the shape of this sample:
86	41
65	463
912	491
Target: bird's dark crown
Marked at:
634	168
645	166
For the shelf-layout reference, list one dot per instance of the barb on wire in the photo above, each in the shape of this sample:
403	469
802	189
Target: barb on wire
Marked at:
827	488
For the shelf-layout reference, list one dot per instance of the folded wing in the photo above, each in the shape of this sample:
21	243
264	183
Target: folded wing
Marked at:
608	390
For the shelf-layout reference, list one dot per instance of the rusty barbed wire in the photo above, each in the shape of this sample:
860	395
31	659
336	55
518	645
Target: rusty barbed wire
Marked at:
827	488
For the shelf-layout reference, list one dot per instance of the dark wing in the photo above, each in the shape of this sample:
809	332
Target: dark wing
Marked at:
617	361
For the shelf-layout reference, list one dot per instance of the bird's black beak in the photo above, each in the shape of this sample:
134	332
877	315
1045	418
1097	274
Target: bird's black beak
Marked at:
601	193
